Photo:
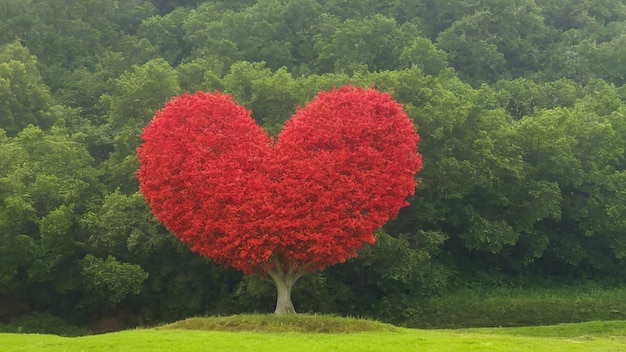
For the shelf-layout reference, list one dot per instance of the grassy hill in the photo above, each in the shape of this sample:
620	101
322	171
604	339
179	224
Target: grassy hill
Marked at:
325	333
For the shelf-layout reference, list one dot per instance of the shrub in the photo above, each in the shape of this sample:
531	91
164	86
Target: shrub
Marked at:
43	323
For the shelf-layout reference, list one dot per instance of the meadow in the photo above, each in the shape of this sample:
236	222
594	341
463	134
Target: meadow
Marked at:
327	333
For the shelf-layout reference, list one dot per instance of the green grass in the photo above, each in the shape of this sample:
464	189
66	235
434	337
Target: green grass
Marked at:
604	329
271	333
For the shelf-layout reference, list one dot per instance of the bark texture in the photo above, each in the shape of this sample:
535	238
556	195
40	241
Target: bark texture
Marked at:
284	278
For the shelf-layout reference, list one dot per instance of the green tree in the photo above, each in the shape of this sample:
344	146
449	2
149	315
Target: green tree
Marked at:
167	34
396	271
137	94
207	33
475	188
24	98
604	61
46	184
271	96
424	54
582	152
110	279
201	74
598	19
433	16
496	40
371	44
347	9
523	97
20	21
472	49
123	226
261	34
301	17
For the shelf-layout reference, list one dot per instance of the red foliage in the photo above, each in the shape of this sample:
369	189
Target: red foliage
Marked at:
342	166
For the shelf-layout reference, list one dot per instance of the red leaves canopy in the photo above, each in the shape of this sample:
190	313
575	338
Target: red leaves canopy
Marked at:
342	166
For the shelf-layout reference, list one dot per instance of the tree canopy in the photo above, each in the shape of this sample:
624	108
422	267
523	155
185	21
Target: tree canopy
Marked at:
343	165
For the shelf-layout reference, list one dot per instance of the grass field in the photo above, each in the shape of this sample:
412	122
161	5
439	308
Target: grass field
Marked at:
323	333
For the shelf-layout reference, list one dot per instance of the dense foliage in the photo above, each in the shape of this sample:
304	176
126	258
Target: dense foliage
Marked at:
342	166
520	106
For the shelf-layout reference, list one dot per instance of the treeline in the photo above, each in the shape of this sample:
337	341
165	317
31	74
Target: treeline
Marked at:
520	106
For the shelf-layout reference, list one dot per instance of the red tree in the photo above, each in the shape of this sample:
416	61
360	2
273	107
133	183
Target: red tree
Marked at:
342	166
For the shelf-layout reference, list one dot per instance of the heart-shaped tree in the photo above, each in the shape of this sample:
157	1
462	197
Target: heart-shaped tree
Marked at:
342	166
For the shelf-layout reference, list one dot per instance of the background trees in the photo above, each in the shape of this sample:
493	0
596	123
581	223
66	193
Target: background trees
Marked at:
25	98
520	106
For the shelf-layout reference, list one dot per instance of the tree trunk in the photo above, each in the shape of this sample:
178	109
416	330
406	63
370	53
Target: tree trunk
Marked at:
284	281
283	301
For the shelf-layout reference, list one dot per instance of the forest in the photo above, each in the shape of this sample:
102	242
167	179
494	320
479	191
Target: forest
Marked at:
520	106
